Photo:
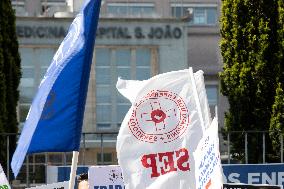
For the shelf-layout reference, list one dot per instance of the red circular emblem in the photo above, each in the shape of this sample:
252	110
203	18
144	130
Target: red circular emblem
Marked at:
160	116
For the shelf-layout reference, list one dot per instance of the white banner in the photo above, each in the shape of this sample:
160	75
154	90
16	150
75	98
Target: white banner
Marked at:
105	177
58	185
4	184
208	168
160	131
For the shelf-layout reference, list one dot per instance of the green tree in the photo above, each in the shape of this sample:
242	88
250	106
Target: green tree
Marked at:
250	49
10	73
277	118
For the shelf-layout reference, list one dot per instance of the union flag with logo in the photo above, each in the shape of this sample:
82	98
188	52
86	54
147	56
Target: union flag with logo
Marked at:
161	130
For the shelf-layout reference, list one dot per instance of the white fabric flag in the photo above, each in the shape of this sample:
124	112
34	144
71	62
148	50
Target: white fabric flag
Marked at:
160	131
3	180
200	87
208	168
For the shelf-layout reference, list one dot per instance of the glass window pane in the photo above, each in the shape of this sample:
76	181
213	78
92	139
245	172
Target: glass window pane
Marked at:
28	72
42	72
124	73
135	10
148	10
103	125
117	10
39	173
24	110
55	158
131	9
121	99
103	113
177	11
143	57
103	76
123	57
121	112
211	15
39	158
44	56
27	82
212	94
143	73
112	10
69	157
26	56
199	16
103	95
102	57
106	156
26	94
122	10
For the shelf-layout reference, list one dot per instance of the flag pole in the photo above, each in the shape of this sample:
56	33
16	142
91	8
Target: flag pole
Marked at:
73	170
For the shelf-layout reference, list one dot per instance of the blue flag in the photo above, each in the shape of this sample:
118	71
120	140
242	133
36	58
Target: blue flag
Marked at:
54	122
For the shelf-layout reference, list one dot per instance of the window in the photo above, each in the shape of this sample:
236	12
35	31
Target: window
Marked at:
212	96
198	14
131	9
38	163
111	63
107	159
34	62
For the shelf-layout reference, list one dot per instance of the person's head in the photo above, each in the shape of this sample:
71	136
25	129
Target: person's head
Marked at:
83	181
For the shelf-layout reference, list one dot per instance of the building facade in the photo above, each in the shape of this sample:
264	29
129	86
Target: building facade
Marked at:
135	40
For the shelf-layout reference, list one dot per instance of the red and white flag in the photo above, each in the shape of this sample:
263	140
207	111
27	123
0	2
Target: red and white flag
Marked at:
160	132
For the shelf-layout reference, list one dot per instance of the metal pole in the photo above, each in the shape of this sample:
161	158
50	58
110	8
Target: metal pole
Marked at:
175	9
84	148
127	9
46	164
263	147
8	157
229	153
27	172
281	138
102	149
64	159
182	8
246	147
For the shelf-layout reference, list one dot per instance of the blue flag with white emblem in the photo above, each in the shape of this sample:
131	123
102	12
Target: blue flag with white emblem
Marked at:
54	122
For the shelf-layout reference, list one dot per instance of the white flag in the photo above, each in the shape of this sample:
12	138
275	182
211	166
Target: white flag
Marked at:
200	87
160	131
208	169
4	184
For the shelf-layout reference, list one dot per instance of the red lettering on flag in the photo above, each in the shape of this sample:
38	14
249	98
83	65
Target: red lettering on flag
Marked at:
167	161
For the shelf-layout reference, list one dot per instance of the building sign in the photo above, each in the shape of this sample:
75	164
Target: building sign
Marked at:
272	174
160	32
252	174
26	31
103	32
246	186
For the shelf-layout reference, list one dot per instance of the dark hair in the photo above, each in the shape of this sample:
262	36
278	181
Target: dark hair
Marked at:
83	176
